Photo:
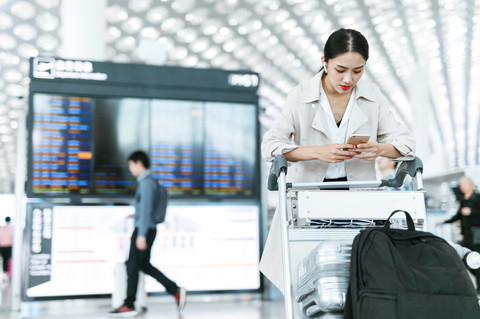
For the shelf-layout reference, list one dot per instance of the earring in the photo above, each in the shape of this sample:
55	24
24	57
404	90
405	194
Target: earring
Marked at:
325	67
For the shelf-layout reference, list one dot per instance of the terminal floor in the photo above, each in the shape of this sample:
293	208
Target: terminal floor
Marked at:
245	306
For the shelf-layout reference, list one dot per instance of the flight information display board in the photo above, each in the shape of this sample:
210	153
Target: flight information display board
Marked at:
229	152
176	149
120	128
62	144
81	145
199	126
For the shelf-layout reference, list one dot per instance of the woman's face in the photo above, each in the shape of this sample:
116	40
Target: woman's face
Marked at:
344	71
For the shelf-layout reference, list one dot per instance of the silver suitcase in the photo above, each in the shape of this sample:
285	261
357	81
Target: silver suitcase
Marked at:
323	279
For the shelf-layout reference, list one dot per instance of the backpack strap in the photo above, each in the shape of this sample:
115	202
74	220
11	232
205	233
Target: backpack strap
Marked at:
410	224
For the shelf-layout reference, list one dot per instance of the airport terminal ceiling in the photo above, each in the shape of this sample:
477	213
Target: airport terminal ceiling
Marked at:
424	54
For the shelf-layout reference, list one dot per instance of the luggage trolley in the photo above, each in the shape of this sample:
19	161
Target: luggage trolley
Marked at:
316	219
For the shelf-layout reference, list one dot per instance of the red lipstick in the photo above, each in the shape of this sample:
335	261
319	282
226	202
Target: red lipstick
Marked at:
345	87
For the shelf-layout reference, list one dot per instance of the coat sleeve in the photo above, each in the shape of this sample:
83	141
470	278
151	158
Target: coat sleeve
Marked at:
456	217
147	200
391	131
278	139
475	215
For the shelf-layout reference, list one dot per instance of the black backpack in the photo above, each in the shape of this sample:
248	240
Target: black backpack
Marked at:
407	274
161	203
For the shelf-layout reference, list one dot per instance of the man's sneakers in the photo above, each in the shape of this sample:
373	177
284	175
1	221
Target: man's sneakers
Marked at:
123	312
181	299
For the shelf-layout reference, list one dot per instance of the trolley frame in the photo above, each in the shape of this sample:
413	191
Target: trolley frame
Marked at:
311	194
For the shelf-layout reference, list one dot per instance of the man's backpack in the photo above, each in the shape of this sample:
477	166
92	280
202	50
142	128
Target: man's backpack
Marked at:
407	274
161	203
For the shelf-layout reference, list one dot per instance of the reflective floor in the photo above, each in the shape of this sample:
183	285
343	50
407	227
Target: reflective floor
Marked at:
232	306
235	306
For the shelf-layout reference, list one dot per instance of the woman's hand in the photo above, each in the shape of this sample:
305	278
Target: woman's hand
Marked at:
367	151
335	153
332	153
371	150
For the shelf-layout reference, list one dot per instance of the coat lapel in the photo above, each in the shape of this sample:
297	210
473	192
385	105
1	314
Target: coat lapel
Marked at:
357	118
319	122
311	96
364	94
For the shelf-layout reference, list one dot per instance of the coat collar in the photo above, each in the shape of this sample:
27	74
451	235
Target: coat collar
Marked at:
310	93
310	90
143	175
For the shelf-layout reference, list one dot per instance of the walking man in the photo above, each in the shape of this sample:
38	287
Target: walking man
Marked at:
143	237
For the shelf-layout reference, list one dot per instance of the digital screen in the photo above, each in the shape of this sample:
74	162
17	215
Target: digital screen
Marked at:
91	241
176	149
61	144
80	145
121	128
229	152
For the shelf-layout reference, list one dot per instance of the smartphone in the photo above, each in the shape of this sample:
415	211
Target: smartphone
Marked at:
356	139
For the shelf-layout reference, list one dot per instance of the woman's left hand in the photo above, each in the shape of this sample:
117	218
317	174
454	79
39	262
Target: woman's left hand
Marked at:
368	151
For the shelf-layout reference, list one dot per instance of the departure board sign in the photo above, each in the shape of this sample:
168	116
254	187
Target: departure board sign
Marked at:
81	144
177	145
199	126
62	144
203	148
229	149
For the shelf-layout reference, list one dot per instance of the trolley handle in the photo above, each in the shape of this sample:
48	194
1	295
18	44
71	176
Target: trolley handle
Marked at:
408	166
279	165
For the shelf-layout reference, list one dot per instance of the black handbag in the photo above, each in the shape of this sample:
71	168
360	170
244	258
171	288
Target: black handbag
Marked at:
407	274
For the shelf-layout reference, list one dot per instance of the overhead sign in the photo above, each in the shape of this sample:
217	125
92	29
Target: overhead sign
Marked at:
52	68
246	80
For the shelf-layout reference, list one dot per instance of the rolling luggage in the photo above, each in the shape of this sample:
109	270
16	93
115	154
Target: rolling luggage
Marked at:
323	279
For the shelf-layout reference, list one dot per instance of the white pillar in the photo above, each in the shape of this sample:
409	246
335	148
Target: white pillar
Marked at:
419	102
19	226
434	159
83	29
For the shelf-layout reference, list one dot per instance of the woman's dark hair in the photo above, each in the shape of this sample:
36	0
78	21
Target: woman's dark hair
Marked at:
343	41
140	156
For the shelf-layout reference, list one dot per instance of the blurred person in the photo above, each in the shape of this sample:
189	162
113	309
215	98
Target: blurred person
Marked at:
142	239
6	242
314	127
468	214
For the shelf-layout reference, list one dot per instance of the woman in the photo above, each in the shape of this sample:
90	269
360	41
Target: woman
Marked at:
318	118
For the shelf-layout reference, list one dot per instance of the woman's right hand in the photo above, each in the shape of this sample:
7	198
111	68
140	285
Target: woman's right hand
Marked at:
332	153
335	153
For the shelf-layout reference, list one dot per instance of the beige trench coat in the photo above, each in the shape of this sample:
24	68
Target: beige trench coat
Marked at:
302	123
